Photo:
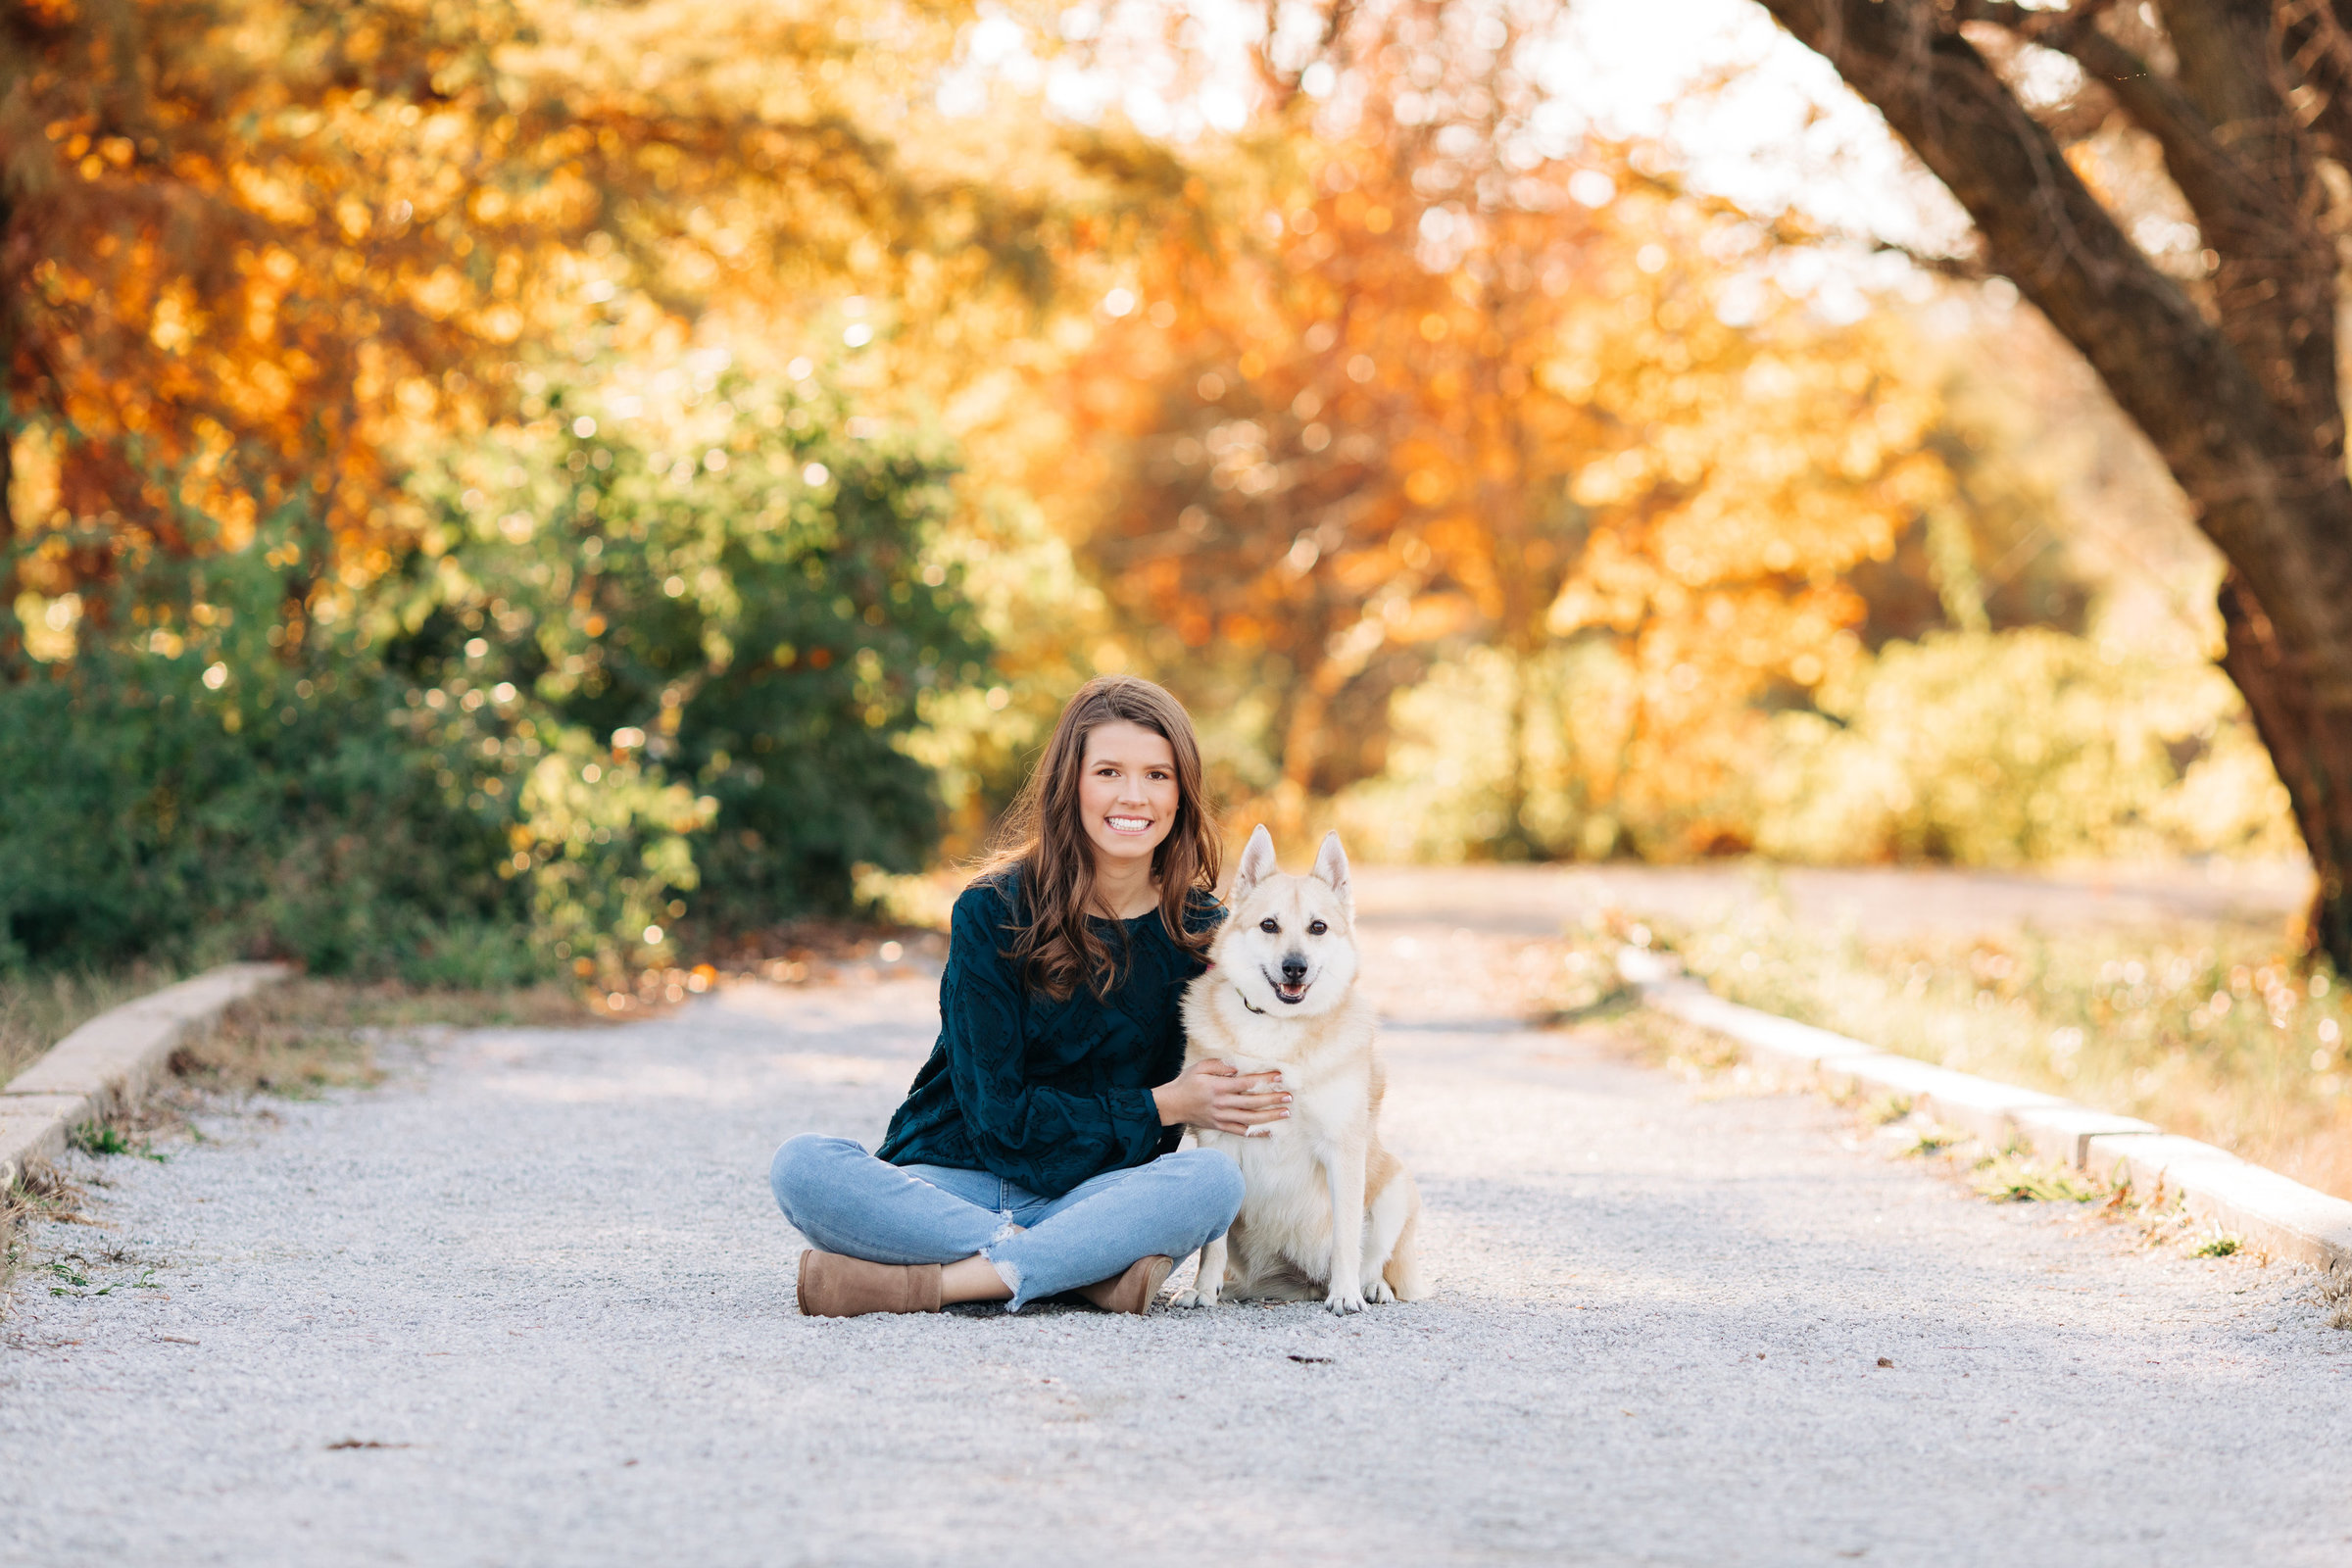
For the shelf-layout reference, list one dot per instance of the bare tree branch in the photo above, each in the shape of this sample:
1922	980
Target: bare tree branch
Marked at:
2192	154
1960	269
2315	45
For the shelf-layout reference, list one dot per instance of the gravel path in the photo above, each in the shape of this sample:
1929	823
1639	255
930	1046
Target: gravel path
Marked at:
536	1277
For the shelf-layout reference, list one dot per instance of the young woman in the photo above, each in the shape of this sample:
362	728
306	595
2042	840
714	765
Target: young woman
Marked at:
1036	1152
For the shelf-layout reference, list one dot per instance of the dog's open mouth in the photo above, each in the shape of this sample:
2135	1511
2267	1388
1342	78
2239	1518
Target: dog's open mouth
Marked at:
1293	991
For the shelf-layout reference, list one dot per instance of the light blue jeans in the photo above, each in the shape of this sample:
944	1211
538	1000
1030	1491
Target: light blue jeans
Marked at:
846	1201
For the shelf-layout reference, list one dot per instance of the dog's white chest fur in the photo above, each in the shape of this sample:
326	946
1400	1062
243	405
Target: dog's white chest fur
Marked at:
1288	1207
1281	997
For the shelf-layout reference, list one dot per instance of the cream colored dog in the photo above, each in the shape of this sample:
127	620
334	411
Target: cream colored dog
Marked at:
1280	997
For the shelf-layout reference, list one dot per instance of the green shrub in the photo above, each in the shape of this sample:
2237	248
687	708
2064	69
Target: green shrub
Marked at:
597	679
182	788
752	609
1984	747
2011	747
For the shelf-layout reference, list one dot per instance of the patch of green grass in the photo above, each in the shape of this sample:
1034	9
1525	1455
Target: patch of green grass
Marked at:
111	1138
2221	1247
98	1137
1891	1109
1933	1140
2006	1179
67	1272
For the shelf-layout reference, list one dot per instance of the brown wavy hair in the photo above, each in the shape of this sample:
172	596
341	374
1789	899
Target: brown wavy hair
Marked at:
1046	846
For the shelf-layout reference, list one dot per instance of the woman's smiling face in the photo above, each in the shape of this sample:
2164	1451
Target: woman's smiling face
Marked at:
1127	792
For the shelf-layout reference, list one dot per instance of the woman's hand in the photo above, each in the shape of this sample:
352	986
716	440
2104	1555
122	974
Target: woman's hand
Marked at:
1214	1095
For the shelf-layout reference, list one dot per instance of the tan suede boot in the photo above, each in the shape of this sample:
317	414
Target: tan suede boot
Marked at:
1135	1291
834	1286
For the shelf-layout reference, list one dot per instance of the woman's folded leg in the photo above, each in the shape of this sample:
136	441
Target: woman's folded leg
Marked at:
846	1201
1169	1208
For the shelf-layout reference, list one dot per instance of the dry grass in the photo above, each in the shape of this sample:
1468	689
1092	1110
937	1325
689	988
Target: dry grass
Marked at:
2011	1178
795	952
2215	1031
2079	975
305	1036
1894	1127
36	1012
292	1041
1693	1054
41	1195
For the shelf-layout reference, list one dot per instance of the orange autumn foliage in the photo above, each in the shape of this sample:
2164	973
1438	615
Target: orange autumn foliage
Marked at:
1415	389
257	253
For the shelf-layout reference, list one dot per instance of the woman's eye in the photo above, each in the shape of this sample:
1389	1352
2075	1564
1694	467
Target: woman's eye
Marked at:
1316	928
1270	926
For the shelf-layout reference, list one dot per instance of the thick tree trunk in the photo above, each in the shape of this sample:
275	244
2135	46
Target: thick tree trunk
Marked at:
11	636
2244	408
1515	842
8	399
2313	756
1301	753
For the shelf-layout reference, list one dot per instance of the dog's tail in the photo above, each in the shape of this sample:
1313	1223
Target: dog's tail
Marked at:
1402	1270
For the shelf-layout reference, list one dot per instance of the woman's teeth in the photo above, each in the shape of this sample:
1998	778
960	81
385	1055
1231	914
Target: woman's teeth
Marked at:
1129	824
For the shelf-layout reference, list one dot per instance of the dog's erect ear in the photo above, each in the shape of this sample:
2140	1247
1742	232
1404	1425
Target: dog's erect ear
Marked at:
1258	864
1331	864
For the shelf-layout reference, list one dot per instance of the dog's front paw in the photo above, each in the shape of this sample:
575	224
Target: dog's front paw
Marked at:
1344	1302
1195	1299
1377	1293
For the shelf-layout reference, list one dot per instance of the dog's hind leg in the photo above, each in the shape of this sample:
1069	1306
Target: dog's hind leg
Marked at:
1404	1272
1384	1221
1211	1278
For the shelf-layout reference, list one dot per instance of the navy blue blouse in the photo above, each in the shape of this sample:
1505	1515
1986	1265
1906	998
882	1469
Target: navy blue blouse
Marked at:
1047	1093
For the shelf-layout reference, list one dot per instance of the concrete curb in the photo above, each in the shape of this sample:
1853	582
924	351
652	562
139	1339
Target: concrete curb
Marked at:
2265	1209
107	1066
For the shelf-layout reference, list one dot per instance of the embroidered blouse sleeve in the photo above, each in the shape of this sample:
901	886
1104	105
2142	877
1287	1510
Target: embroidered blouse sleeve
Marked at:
1047	1139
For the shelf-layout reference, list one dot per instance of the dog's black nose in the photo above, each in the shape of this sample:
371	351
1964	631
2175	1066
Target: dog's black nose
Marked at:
1293	968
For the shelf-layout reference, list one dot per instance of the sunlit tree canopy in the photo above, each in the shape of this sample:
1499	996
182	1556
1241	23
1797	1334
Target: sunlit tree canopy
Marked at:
681	455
